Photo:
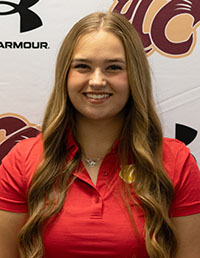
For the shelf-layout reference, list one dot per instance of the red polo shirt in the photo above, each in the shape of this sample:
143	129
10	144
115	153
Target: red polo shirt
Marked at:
94	221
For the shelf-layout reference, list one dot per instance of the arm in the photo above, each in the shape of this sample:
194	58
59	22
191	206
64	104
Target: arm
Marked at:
10	225
188	236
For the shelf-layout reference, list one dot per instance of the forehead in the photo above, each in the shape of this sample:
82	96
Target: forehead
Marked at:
99	43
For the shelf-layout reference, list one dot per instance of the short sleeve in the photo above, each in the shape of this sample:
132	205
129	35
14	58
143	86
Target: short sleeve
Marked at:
186	181
12	182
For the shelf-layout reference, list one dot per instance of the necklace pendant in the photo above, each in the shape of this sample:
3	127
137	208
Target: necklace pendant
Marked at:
91	163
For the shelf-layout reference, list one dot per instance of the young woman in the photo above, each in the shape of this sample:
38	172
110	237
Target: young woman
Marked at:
100	180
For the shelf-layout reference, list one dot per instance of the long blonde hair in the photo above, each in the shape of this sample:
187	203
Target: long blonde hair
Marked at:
142	134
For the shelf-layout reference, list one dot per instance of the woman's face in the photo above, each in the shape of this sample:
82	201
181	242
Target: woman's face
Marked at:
97	81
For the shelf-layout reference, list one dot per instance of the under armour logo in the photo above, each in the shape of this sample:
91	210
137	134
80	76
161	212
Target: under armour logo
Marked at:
185	133
28	19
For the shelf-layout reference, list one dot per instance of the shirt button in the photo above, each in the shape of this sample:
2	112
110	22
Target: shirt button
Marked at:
97	199
105	173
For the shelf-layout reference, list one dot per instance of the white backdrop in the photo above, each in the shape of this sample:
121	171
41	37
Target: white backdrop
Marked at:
27	74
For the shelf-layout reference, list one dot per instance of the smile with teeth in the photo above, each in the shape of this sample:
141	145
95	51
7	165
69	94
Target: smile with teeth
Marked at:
97	96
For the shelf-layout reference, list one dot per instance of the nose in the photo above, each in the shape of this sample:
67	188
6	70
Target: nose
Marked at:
97	79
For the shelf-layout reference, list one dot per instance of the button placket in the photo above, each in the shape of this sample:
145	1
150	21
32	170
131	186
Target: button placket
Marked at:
97	207
97	199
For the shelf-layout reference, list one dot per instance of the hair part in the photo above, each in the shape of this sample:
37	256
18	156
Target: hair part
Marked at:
141	134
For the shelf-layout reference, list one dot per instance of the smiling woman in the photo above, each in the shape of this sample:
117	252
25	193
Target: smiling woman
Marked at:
100	180
98	84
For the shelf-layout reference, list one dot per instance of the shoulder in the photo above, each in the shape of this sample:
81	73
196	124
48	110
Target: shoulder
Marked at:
30	144
183	171
173	147
16	172
26	147
24	156
175	155
180	165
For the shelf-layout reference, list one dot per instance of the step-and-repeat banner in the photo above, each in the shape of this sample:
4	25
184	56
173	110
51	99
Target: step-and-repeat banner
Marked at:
31	32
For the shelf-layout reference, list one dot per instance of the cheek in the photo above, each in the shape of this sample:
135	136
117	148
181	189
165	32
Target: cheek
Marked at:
69	92
76	81
126	96
125	93
122	84
71	84
124	89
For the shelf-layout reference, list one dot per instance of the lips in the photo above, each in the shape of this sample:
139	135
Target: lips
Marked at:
97	96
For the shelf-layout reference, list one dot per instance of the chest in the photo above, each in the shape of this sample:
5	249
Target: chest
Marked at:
94	222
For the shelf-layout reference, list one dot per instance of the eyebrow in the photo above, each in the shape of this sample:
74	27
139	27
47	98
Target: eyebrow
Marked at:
114	60
81	60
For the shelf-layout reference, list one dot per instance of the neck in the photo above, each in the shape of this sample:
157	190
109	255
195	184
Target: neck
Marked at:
97	137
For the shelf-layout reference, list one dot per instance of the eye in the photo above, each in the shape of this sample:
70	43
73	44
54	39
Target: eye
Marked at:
114	67
82	66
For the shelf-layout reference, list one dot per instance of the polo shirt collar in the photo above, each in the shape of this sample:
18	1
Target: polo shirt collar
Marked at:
72	146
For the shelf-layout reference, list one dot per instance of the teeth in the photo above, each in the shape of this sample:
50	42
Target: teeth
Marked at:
99	96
